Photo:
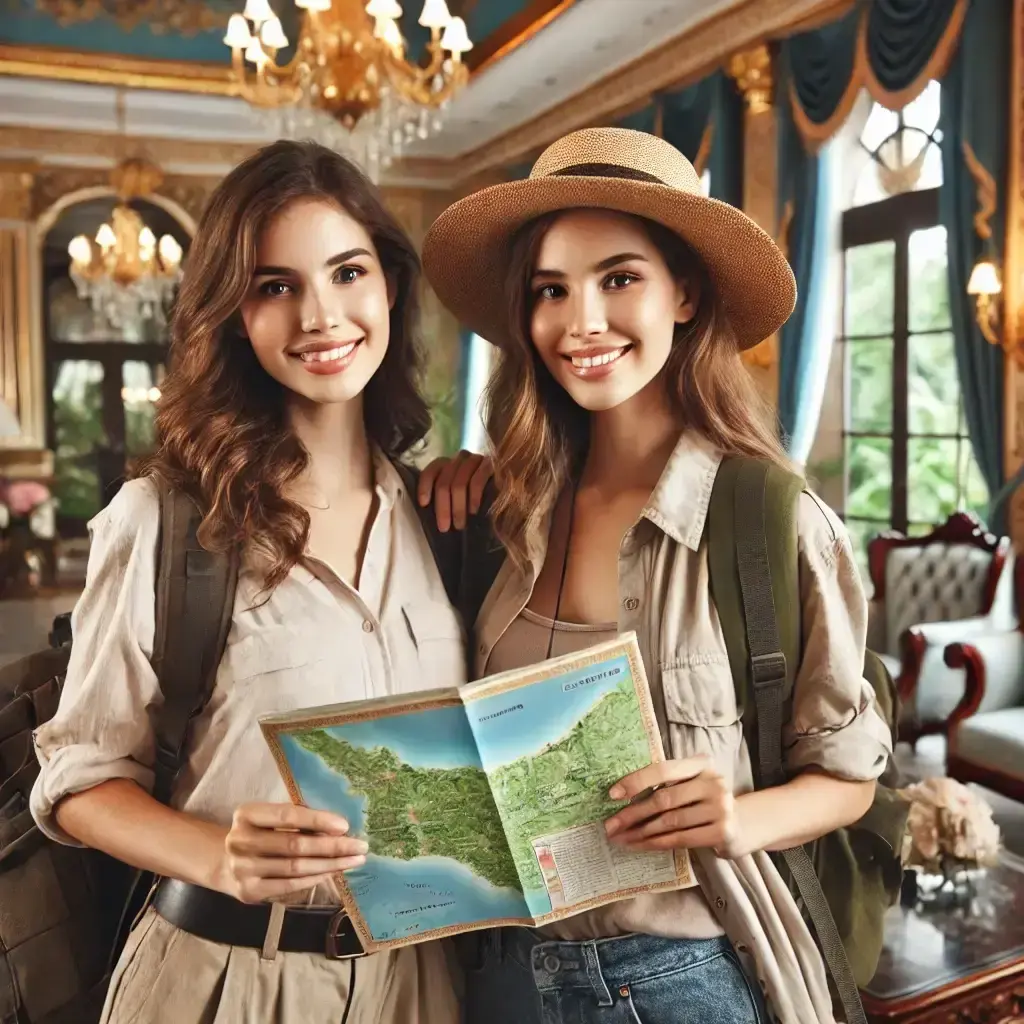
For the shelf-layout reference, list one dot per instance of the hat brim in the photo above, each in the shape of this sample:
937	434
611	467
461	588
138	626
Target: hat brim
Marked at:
465	252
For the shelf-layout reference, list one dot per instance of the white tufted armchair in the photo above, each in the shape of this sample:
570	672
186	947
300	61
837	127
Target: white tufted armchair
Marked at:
929	592
986	735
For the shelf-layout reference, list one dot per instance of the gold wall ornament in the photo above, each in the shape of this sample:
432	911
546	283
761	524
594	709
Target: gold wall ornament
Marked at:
17	184
184	17
350	63
985	283
752	72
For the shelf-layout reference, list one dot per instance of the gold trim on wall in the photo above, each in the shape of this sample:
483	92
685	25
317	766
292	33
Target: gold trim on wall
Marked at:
519	29
112	69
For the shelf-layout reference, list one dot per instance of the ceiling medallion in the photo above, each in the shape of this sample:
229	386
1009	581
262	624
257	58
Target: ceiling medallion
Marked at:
349	83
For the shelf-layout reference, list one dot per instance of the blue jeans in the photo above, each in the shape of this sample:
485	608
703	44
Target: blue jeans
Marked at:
513	976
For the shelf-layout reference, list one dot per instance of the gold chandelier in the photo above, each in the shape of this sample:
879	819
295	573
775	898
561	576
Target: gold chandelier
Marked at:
350	65
127	274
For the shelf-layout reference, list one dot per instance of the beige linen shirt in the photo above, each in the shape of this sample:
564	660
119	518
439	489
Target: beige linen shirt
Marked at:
316	640
664	596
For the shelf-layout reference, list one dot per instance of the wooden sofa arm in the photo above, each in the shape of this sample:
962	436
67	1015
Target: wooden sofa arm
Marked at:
993	665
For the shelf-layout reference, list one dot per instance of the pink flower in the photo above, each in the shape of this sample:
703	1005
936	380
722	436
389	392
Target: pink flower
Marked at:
23	496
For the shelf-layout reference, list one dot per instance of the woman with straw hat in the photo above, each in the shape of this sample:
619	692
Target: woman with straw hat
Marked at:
619	298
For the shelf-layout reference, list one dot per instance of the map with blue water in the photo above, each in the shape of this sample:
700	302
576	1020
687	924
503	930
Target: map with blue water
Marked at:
465	800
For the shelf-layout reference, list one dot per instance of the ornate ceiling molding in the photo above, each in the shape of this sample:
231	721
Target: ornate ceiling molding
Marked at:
686	58
111	69
186	17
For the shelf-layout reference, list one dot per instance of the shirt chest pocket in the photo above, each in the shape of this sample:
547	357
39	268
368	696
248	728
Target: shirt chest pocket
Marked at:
282	668
439	641
700	706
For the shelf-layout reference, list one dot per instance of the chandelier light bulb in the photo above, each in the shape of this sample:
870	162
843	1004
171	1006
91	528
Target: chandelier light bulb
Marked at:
456	38
384	9
391	34
984	279
105	237
170	252
147	240
435	14
258	11
255	54
237	36
80	251
272	35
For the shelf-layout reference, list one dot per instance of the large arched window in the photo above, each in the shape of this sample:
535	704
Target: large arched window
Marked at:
103	379
908	459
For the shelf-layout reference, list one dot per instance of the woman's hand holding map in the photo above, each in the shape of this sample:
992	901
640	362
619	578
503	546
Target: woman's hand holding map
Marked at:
691	806
273	850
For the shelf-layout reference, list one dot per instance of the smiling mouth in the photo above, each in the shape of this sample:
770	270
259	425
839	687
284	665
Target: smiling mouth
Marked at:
327	355
587	362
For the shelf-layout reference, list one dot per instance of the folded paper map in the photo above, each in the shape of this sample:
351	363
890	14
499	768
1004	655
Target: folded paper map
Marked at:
484	804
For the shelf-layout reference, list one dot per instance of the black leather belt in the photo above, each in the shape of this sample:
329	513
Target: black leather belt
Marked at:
218	918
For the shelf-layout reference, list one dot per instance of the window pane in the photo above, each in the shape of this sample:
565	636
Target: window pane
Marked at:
924	111
869	373
861	531
920	529
931	479
933	385
868	302
973	491
78	425
869	478
928	301
140	392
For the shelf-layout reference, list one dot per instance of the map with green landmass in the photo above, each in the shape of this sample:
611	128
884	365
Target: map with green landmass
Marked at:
566	783
421	812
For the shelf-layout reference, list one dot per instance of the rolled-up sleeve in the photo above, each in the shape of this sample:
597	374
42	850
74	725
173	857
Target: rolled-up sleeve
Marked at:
102	729
835	724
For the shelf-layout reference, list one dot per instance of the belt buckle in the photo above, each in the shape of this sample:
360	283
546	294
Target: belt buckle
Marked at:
331	950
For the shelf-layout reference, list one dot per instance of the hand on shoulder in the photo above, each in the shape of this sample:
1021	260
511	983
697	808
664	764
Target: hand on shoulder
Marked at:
457	486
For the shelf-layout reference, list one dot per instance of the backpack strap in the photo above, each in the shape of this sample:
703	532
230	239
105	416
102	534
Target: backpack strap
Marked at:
763	527
195	591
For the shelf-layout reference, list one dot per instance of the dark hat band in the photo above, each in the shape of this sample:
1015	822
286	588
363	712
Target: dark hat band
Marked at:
605	171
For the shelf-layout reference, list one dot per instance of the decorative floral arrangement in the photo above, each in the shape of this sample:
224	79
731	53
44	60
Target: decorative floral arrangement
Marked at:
949	827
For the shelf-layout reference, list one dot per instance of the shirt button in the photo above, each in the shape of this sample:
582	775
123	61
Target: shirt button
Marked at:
631	604
367	626
720	903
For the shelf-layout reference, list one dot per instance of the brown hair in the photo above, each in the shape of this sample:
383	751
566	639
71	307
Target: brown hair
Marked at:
222	432
541	434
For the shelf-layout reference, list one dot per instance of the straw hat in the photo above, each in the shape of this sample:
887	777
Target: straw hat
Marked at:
465	253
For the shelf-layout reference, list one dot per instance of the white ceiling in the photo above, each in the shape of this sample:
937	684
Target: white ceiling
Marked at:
589	41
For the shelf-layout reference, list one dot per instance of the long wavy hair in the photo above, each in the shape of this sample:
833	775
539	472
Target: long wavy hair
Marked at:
541	435
223	436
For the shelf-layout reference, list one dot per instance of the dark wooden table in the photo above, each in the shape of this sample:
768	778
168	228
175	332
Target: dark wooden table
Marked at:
956	966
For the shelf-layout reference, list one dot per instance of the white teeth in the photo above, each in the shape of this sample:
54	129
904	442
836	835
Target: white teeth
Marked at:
587	362
328	355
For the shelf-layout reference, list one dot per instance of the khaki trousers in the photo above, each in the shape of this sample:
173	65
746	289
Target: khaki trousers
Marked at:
168	976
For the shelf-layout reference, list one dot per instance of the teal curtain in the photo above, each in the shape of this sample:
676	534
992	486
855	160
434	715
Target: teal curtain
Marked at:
687	114
975	92
804	198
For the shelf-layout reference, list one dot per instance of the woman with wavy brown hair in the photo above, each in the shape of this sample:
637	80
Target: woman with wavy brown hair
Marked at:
290	398
620	298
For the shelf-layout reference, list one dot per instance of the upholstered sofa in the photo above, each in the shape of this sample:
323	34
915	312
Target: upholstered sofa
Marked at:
986	734
930	591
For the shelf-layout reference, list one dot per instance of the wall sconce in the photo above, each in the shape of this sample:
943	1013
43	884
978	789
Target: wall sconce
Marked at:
985	285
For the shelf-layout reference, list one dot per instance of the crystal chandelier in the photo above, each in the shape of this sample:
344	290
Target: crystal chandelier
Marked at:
349	84
125	273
